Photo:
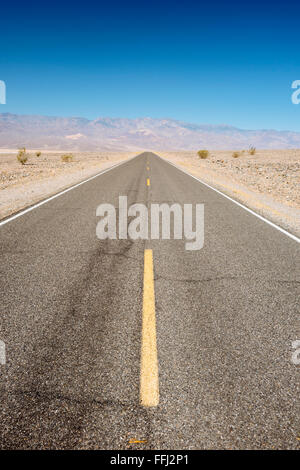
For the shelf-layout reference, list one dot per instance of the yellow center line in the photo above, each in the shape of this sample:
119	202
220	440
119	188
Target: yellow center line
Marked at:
149	384
148	181
148	168
136	441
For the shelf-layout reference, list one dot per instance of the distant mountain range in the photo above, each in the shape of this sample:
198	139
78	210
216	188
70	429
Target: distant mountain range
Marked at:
73	133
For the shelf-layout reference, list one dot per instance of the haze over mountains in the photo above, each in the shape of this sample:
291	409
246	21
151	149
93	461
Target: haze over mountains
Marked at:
73	133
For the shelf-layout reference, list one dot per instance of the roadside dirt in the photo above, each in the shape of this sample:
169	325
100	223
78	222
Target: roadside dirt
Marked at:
40	177
267	182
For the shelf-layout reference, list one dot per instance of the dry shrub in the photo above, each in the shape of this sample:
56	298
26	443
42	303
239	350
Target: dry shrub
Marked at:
203	154
67	157
22	156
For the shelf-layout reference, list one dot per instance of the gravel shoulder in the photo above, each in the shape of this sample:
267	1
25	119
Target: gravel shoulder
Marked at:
267	182
41	177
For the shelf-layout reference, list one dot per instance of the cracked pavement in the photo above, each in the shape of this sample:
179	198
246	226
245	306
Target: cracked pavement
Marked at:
70	316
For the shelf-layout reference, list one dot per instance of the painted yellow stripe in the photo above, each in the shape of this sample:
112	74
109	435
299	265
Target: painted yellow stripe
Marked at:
149	385
148	181
148	168
136	441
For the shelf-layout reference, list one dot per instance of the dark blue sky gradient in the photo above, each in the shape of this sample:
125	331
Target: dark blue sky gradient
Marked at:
213	62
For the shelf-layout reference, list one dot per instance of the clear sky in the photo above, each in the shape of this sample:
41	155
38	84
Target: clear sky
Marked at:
211	62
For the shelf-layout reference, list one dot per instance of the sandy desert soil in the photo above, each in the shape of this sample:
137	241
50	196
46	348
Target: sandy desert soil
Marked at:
267	182
23	185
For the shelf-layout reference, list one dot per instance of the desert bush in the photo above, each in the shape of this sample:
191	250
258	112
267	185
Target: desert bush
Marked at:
22	156
203	153
236	154
67	157
252	150
38	154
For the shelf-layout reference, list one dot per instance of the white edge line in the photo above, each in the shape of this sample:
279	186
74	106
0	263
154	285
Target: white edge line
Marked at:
288	234
44	201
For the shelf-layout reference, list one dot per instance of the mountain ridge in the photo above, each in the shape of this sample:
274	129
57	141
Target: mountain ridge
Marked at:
105	133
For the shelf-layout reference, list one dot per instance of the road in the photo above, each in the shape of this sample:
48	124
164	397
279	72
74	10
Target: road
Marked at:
71	318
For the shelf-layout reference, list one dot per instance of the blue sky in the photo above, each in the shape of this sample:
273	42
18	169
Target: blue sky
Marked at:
213	62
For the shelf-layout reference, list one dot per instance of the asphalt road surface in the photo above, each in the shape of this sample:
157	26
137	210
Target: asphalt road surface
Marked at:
71	317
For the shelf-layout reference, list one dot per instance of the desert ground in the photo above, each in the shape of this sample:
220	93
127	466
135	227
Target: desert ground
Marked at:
40	177
267	182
